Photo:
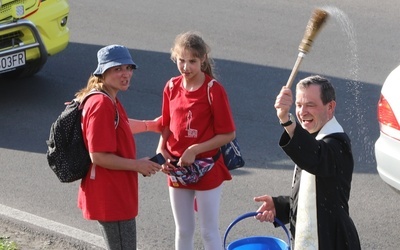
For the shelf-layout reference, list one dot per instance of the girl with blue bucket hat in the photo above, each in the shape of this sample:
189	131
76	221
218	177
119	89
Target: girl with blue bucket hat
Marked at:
109	192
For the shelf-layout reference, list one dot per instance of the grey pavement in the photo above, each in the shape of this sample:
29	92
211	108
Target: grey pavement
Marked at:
50	226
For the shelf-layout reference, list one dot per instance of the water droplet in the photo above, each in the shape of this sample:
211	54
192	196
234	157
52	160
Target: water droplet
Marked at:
354	107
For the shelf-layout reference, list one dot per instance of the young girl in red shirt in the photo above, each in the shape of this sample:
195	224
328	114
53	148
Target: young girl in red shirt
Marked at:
109	192
195	128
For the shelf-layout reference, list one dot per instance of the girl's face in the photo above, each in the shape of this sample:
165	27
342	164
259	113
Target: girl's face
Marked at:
118	77
188	65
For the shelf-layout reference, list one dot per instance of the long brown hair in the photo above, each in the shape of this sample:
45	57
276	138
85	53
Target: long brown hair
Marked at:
193	42
94	83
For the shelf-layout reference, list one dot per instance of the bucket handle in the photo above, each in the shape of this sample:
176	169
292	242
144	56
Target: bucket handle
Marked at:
251	214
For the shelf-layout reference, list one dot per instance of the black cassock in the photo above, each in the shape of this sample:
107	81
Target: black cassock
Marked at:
331	161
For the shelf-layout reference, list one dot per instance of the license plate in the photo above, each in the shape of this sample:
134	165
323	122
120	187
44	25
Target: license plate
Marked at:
12	61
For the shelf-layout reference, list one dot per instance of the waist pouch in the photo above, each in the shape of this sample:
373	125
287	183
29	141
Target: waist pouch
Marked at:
192	174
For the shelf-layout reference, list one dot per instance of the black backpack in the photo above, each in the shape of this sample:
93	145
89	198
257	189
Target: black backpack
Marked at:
67	154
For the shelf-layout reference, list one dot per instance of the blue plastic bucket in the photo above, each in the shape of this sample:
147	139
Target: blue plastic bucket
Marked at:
257	242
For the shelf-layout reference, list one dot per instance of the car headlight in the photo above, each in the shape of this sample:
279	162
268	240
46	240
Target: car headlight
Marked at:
63	21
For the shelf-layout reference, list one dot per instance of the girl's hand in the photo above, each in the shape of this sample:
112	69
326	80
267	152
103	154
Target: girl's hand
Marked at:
167	166
187	158
147	167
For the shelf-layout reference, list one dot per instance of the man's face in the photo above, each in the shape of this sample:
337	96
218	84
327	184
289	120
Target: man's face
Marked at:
310	111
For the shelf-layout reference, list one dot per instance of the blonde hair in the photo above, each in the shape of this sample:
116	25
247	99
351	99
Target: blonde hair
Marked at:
94	83
193	42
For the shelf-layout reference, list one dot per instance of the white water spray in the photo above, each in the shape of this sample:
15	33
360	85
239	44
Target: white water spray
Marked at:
353	106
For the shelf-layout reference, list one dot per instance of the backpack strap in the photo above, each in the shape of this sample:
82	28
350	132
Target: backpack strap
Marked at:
93	92
209	85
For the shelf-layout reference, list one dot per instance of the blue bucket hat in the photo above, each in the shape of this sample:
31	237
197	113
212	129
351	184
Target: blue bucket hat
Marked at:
112	55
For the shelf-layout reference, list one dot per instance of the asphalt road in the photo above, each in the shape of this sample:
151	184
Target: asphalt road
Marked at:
254	44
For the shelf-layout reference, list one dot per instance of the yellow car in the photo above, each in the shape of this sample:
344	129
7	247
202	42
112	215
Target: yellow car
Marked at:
30	31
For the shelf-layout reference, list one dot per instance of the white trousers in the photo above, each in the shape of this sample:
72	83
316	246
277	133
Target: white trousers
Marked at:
208	202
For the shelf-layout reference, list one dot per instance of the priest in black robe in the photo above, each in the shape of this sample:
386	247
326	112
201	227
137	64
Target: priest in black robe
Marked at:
317	209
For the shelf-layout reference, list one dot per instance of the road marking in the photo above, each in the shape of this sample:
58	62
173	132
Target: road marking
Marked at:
52	226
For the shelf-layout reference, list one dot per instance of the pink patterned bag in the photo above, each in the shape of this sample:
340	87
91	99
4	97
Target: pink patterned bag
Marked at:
192	174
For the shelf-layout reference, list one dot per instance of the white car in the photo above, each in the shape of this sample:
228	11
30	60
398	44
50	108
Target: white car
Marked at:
387	147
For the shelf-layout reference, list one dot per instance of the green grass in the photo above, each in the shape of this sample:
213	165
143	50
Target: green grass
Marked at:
6	244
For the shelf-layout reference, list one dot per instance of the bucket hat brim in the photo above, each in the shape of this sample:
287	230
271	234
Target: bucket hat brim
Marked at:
111	56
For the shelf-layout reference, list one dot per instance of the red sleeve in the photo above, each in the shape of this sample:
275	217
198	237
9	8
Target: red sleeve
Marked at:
98	124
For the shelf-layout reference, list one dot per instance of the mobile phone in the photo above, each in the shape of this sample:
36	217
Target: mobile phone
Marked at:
174	163
158	158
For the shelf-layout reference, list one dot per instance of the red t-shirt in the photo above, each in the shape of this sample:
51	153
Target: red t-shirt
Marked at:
104	194
192	119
